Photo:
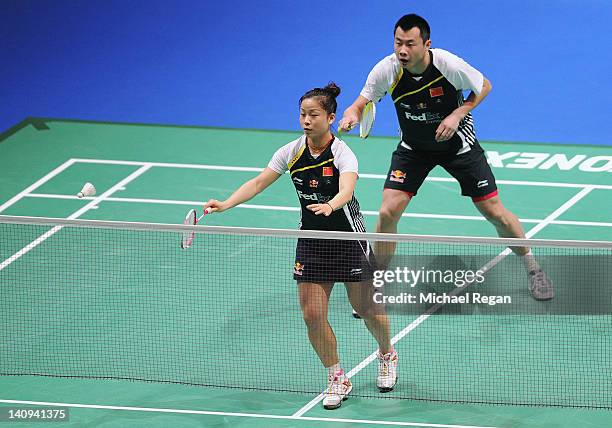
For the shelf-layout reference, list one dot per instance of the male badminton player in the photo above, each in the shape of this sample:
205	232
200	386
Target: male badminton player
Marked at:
324	171
426	86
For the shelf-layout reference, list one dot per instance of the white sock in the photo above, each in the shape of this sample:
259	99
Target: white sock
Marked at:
530	262
333	370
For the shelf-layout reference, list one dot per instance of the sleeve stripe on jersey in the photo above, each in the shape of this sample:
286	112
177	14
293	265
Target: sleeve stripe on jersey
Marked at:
296	157
356	218
466	126
312	166
397	79
418	90
466	130
349	216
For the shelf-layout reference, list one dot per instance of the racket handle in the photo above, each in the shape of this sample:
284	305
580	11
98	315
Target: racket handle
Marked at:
206	211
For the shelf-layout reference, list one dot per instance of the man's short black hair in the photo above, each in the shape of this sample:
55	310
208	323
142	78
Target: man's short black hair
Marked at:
407	22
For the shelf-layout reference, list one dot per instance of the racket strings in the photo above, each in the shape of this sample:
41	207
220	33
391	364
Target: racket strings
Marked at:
187	237
367	120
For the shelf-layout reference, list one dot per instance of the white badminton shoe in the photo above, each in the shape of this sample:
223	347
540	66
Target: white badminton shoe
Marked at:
387	371
337	391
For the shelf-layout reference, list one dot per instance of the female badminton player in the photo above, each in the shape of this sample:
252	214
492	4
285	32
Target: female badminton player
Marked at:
324	172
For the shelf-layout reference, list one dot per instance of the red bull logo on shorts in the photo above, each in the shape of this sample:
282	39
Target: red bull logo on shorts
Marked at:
298	268
397	176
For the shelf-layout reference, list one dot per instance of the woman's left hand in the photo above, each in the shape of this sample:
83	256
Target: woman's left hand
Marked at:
319	209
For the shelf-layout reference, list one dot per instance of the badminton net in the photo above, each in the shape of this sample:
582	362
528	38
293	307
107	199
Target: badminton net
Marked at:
110	300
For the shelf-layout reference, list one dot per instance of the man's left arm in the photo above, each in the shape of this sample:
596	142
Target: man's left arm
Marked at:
448	127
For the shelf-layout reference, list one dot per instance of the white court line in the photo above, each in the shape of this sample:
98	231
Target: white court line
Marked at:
296	209
582	223
266	207
239	415
30	246
37	184
418	321
566	206
94	202
362	175
172	165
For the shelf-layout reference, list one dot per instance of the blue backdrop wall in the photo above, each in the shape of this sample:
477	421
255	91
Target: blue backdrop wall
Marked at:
245	63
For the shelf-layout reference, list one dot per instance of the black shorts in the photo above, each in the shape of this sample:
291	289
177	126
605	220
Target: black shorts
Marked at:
329	260
410	167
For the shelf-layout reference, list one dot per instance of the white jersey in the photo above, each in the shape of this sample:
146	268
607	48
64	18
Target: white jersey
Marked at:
422	102
317	180
344	158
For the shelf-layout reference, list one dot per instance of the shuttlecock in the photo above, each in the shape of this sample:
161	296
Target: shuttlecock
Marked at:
87	190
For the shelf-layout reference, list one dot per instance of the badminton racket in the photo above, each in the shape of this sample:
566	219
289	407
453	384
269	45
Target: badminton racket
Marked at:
191	219
367	121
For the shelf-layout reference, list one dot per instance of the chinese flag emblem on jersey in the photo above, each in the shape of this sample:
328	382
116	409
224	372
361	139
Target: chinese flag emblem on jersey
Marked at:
328	171
436	92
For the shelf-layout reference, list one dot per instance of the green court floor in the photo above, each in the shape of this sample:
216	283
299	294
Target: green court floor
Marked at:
154	173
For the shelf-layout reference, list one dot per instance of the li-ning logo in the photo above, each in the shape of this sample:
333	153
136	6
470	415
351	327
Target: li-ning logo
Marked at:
482	183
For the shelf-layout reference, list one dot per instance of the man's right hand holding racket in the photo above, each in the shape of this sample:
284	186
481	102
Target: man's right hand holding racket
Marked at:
348	122
362	112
